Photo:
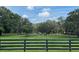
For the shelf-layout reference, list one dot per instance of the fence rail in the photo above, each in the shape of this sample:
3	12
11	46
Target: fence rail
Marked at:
39	44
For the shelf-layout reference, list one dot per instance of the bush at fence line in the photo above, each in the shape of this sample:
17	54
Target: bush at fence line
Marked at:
1	31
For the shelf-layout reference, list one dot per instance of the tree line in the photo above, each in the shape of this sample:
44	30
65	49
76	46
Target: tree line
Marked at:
14	23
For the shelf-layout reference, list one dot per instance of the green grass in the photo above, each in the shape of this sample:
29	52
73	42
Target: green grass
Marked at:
36	36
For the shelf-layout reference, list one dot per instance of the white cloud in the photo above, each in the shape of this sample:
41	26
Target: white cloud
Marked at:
44	14
46	9
30	7
25	16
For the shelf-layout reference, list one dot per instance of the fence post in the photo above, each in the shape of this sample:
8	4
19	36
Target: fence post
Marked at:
69	45
24	45
46	45
0	43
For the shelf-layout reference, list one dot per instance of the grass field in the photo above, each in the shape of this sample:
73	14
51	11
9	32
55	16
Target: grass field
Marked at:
38	37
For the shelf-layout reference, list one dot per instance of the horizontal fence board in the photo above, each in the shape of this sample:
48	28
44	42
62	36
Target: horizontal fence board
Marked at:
22	45
58	48
22	39
75	48
35	42
74	45
12	39
35	49
11	48
74	42
12	42
58	45
58	42
37	46
38	42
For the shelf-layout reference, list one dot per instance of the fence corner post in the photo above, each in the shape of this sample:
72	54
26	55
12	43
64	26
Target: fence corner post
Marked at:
46	45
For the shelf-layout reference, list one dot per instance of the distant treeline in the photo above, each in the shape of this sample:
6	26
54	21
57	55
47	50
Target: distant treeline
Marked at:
14	23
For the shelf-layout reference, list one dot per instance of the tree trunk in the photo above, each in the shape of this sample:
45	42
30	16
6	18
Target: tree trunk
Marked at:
77	34
0	33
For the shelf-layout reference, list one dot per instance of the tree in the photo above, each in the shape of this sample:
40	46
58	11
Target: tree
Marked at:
26	26
46	27
1	31
51	26
60	25
13	23
35	27
43	27
9	20
72	23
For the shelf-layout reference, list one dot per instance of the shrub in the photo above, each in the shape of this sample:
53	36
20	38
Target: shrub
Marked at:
1	30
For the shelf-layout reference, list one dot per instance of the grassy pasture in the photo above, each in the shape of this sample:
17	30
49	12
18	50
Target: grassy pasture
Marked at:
52	36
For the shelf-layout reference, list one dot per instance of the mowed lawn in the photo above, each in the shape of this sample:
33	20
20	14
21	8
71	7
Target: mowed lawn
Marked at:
33	37
36	36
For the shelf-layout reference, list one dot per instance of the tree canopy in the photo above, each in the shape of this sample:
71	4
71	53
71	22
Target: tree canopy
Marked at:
72	22
13	23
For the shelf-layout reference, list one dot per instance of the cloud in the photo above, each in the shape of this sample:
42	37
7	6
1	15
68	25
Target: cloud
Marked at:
46	9
44	14
25	16
30	7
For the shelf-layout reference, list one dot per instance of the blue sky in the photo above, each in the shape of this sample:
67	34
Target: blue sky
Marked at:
38	14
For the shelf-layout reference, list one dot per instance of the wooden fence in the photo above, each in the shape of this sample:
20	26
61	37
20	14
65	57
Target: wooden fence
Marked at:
39	44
